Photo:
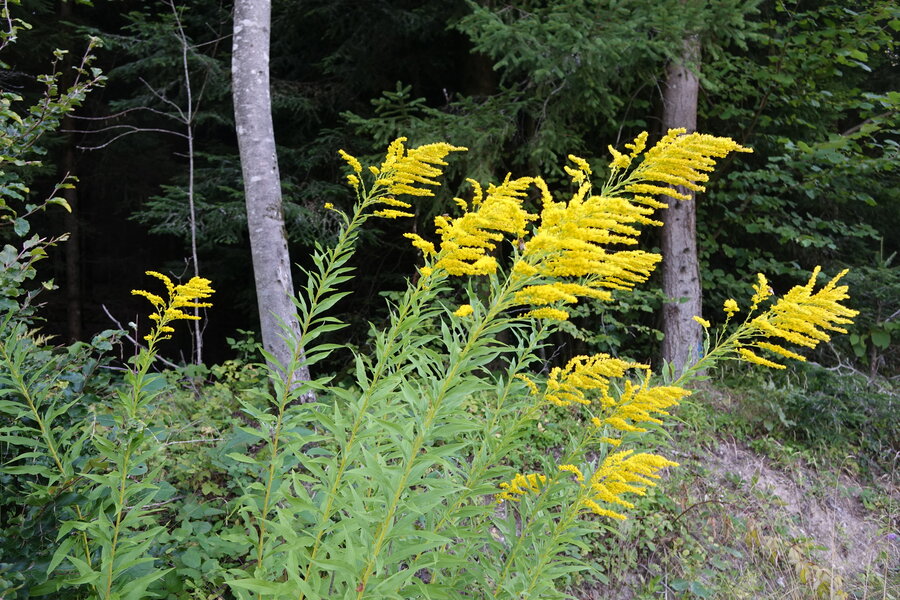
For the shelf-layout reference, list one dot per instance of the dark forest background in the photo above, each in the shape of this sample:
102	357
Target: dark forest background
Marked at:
811	86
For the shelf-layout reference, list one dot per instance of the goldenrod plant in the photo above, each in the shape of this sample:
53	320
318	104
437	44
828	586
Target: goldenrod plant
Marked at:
400	483
95	474
395	486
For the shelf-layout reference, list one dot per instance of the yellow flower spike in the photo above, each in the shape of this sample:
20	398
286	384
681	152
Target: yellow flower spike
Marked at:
547	314
623	473
731	307
467	240
353	181
170	287
638	145
404	170
532	386
762	291
352	161
620	161
389	213
187	295
425	246
579	477
801	317
640	404
703	322
464	311
520	485
678	159
585	377
751	357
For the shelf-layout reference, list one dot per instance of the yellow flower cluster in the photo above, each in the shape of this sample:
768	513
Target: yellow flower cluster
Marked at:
572	247
464	311
639	404
622	473
583	376
467	240
731	307
520	485
800	317
761	290
678	159
404	171
188	295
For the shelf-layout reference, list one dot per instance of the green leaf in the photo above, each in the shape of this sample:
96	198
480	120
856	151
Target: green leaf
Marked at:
192	558
21	227
881	338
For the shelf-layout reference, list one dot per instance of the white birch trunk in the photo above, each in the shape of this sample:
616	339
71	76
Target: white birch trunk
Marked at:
262	184
681	267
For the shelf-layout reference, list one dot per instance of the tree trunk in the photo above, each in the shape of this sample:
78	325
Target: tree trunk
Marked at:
681	268
262	185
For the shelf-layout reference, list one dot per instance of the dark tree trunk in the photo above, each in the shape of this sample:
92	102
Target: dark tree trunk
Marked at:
681	268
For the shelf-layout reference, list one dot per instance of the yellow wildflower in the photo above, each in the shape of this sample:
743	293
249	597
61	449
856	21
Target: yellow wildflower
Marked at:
573	470
425	246
404	171
548	314
389	213
703	322
583	376
187	295
580	174
464	311
621	473
800	317
762	291
678	159
520	485
638	145
731	307
751	357
532	386
639	404
466	240
352	161
619	161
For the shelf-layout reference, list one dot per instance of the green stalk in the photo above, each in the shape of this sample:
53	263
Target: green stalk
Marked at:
576	452
48	438
500	303
381	366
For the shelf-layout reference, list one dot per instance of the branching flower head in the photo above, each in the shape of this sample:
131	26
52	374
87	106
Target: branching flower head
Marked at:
622	473
637	405
179	297
678	159
466	241
801	317
520	485
403	172
585	378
